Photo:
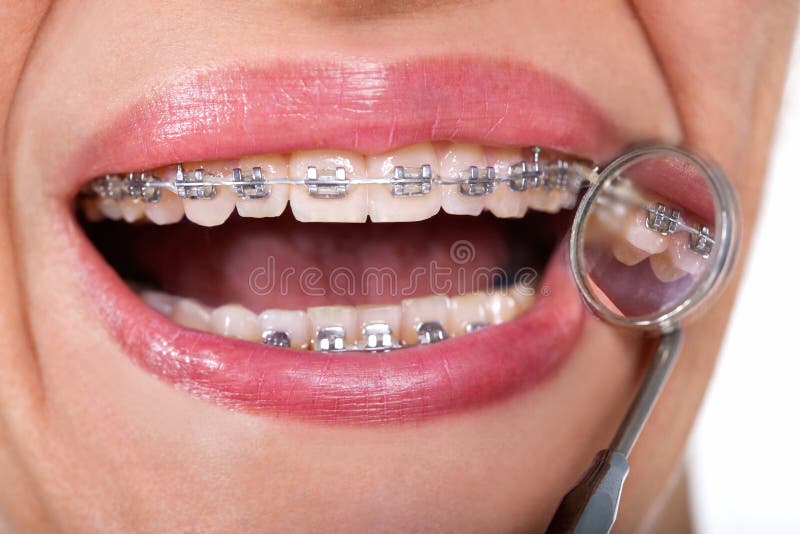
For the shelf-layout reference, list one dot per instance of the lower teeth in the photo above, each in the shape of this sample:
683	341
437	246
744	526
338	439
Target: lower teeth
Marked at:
345	328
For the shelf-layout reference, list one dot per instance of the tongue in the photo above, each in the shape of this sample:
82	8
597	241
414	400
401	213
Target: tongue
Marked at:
280	263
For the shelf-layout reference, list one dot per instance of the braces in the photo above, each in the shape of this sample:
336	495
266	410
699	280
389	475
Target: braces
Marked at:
377	337
661	219
404	181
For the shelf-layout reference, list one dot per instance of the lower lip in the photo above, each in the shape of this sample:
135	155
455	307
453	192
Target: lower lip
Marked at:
410	384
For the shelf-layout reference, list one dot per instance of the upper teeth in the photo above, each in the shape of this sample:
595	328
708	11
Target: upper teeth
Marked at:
322	186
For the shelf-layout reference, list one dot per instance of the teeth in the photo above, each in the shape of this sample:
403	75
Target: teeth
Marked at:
636	232
635	242
523	296
110	208
499	308
161	302
683	257
664	269
626	253
383	205
677	261
272	166
352	208
504	202
168	210
458	157
294	323
90	207
481	172
466	311
543	199
131	211
214	211
333	316
191	314
235	321
361	326
419	310
388	315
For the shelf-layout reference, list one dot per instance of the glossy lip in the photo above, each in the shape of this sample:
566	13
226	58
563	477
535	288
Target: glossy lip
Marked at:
360	106
366	107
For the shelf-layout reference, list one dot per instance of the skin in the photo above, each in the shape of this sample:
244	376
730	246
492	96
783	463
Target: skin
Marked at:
89	442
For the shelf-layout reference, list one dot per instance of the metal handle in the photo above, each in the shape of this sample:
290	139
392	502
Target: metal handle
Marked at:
591	506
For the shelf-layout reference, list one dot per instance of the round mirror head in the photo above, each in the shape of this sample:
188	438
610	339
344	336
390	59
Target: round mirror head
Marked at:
654	237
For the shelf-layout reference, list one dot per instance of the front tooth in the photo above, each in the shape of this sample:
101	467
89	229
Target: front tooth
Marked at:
499	308
191	314
294	323
466	310
504	202
457	158
325	316
168	209
163	303
383	205
388	315
353	207
214	211
272	166
233	320
420	310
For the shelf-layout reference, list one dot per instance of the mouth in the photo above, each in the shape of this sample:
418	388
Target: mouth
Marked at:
395	267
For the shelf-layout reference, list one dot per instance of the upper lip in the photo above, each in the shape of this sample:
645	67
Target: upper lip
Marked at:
359	106
356	105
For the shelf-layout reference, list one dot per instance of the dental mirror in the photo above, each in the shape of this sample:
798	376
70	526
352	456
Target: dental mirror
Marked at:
654	237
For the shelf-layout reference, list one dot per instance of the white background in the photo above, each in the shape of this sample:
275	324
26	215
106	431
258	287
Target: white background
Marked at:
744	456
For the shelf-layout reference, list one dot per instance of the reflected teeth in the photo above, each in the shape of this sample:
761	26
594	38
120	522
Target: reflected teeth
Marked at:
670	256
367	328
677	260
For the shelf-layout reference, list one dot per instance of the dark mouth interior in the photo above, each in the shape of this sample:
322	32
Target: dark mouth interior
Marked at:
282	263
